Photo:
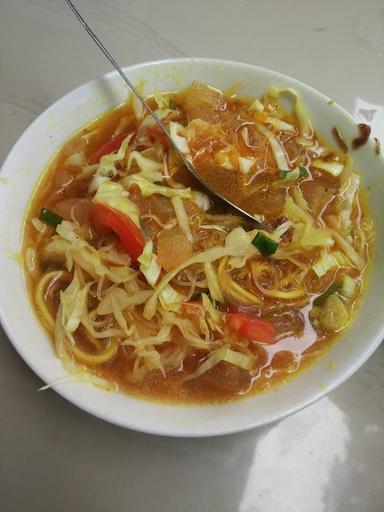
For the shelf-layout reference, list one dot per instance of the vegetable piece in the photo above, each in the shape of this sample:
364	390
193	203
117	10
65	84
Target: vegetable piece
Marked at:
334	315
105	219
280	125
224	354
176	132
245	164
170	299
223	158
295	174
115	196
277	148
111	146
265	245
181	216
256	105
300	111
348	192
324	263
348	286
148	188
320	299
212	314
149	264
146	165
202	200
281	230
213	284
106	169
334	168
50	218
251	327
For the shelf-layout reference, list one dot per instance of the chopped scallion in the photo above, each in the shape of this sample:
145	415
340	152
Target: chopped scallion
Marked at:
303	172
283	174
172	104
50	218
265	245
158	183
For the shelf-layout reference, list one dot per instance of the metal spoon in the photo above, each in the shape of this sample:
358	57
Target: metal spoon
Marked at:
185	161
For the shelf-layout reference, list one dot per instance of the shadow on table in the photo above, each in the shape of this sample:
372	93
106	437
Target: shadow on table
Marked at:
55	457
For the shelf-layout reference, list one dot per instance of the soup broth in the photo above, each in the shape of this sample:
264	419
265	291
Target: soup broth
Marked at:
148	285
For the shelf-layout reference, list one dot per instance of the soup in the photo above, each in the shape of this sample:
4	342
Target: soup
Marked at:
148	285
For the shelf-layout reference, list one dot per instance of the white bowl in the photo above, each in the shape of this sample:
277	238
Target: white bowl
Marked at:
20	175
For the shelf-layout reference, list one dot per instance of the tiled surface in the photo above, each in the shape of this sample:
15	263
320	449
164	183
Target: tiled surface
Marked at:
53	457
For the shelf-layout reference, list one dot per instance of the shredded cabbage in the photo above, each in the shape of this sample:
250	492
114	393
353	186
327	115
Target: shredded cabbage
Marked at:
245	164
212	314
280	125
300	111
148	188
74	301
149	264
348	192
146	165
227	355
223	158
161	101
348	250
326	262
181	216
348	287
122	300
256	105
213	284
295	213
76	159
115	196
170	299
149	121
107	165
202	200
176	130
334	168
280	230
277	148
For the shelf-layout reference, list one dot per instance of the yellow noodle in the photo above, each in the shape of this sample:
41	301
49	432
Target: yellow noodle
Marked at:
108	353
47	279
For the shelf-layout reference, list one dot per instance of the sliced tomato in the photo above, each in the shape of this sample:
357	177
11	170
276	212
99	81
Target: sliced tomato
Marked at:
105	220
156	133
111	146
251	327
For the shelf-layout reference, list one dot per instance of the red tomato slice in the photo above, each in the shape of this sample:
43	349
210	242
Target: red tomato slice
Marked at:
111	146
157	133
252	327
105	220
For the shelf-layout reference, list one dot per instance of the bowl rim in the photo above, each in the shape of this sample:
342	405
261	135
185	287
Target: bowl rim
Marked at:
93	409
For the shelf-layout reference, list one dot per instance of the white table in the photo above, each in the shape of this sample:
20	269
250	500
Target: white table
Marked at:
53	457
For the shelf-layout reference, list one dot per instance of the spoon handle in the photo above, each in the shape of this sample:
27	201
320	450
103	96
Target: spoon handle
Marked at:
139	96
